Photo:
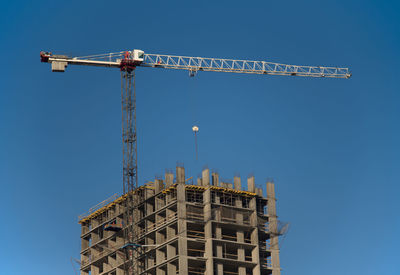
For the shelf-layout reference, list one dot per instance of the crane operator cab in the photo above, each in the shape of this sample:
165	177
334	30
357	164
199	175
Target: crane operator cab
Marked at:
137	55
130	60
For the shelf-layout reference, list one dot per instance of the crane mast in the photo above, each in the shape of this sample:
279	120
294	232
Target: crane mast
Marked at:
129	137
129	156
127	61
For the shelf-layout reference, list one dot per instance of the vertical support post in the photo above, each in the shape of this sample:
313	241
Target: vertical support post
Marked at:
205	177
182	226
237	183
255	254
208	225
169	179
215	179
251	186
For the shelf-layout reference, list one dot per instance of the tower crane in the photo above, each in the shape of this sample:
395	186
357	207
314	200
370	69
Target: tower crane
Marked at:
127	61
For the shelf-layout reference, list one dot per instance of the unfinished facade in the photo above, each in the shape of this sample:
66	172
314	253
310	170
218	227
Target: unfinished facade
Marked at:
210	227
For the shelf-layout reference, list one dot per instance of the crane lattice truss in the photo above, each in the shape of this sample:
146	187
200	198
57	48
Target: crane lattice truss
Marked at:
129	152
195	64
127	61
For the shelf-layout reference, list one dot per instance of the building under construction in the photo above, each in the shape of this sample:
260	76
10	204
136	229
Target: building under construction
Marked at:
210	227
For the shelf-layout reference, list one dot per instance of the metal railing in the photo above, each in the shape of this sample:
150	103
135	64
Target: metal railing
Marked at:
98	206
158	224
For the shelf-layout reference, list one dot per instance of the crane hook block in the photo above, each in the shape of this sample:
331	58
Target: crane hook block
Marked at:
195	129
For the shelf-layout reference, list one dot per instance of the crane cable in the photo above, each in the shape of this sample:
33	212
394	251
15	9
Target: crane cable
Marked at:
192	96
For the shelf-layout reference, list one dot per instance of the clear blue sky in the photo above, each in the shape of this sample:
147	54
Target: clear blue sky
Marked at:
332	145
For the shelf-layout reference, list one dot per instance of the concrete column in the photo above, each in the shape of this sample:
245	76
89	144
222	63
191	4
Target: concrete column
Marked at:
85	228
120	259
237	183
273	228
215	179
160	257
218	232
107	265
150	261
240	236
171	269
159	271
180	175
208	227
171	251
242	270
251	187
149	208
217	214
94	237
239	214
171	233
205	177
240	251
218	235
84	244
158	185
255	254
149	192
169	179
95	270
120	271
182	226
220	269
160	199
136	216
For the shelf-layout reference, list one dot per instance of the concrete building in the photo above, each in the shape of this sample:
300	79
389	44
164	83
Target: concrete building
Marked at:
210	227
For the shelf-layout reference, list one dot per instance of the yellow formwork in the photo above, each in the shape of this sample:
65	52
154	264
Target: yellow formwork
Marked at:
122	198
118	200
